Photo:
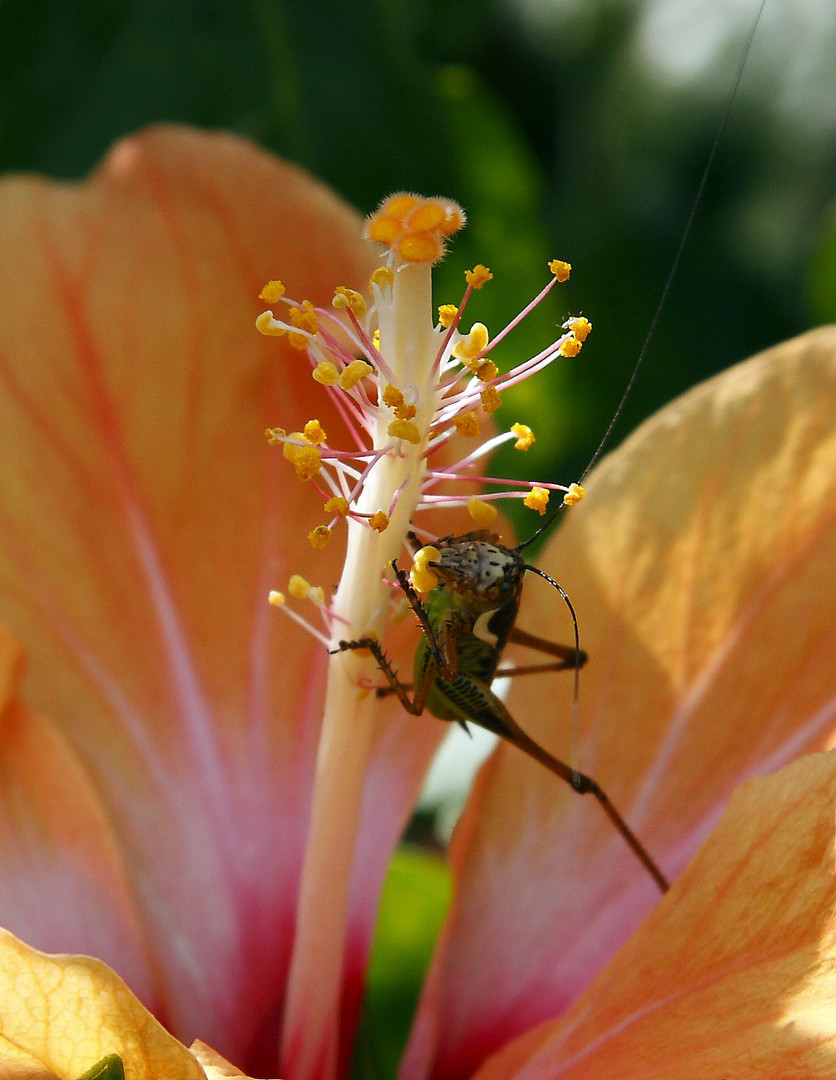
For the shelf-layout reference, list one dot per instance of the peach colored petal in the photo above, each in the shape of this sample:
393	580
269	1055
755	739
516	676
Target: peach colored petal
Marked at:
215	1066
68	1012
734	974
700	567
58	848
143	519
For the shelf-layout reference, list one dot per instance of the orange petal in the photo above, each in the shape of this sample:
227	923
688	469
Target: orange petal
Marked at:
59	853
143	519
700	567
65	1013
734	974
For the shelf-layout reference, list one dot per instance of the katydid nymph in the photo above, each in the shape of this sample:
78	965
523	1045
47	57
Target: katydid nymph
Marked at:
470	611
467	619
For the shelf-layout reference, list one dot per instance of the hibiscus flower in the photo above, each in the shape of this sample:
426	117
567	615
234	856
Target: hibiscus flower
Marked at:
169	801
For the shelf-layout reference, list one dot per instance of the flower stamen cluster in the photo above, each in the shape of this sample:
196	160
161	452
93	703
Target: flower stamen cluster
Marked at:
405	384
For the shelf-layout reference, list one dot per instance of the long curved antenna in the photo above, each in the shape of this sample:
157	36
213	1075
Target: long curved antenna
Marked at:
576	772
677	259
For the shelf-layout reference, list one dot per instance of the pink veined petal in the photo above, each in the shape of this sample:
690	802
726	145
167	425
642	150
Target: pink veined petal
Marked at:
700	566
143	519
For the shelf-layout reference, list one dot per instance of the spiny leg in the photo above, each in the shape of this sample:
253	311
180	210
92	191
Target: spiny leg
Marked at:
414	705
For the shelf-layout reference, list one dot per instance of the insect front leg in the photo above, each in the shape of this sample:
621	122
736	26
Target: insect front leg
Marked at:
414	705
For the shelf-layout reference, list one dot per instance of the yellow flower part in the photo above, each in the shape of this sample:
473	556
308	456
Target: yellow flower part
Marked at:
490	399
447	315
483	513
537	499
574	494
525	437
301	589
266	324
306	460
570	347
337	505
415	228
485	370
319	537
326	373
272	292
560	269
477	277
351	299
405	429
422	577
580	327
467	424
379	521
471	346
314	433
353	373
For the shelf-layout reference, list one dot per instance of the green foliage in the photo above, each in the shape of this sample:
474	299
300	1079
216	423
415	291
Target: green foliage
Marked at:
569	137
415	899
109	1068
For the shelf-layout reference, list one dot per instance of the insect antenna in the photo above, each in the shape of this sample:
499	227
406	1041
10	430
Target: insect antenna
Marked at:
677	259
577	665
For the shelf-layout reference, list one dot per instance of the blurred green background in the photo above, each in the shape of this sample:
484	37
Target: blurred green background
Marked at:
575	129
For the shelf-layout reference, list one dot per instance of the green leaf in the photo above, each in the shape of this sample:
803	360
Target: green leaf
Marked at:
109	1068
415	899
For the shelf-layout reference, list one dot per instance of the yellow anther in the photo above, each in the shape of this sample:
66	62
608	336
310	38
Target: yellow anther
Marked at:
304	317
573	495
275	435
337	505
525	439
405	429
570	347
383	277
314	433
483	513
275	598
422	577
476	342
477	277
484	370
298	587
560	269
272	291
467	424
376	340
266	324
326	373
306	460
379	521
447	315
392	397
490	400
349	298
579	326
353	373
537	499
318	538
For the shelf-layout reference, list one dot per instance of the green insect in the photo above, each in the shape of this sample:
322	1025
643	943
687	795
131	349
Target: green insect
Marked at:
467	620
